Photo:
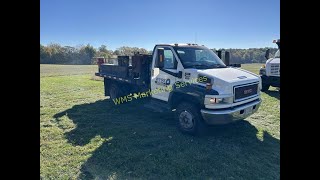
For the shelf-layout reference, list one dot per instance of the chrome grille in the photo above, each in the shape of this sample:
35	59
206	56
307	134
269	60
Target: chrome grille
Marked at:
275	69
247	91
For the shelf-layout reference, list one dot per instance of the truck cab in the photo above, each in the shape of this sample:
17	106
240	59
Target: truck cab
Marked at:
194	83
270	72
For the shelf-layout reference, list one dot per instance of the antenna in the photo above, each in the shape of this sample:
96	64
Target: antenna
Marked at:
195	38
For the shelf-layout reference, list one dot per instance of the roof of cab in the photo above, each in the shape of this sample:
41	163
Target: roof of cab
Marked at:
179	44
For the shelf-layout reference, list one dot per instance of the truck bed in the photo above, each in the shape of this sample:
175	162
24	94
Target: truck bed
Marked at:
111	71
138	73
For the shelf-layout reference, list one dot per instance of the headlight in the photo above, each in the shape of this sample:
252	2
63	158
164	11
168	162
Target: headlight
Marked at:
218	100
215	100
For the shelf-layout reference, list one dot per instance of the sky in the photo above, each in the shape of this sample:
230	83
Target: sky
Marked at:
144	23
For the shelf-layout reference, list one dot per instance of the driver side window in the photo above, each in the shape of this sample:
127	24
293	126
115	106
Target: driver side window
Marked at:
170	61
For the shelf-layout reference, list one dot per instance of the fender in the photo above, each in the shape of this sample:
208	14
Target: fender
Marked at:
190	92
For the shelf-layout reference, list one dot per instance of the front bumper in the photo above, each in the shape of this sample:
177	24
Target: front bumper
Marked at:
225	116
271	80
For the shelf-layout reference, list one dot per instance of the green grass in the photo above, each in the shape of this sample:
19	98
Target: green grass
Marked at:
254	67
63	70
84	136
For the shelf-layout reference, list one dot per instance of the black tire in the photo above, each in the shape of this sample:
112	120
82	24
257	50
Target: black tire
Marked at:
114	91
265	87
182	116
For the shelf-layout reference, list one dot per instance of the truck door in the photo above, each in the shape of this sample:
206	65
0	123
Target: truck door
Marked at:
164	72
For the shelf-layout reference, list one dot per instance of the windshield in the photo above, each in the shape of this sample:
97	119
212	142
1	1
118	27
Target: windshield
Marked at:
198	57
277	55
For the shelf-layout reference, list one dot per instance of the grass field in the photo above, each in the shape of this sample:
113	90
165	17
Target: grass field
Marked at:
83	136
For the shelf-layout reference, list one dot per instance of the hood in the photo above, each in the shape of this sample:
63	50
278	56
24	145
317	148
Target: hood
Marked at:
229	74
225	78
273	61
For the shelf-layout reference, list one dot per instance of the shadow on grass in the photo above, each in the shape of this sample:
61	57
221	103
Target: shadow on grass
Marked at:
147	145
273	93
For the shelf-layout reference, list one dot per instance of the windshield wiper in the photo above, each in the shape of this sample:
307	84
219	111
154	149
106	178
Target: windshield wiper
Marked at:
200	65
219	66
206	66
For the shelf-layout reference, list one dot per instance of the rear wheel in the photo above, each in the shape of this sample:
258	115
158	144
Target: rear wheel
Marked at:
189	119
114	91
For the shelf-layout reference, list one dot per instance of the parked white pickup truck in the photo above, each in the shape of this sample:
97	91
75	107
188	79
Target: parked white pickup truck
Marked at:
190	80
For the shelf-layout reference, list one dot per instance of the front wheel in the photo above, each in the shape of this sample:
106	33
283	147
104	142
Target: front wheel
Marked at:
189	119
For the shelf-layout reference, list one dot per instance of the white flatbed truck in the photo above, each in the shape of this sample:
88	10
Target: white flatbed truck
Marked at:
190	80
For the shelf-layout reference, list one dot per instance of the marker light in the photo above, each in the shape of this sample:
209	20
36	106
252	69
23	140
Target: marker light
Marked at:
208	86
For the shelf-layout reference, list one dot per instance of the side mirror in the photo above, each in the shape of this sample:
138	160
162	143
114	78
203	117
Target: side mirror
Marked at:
267	54
180	74
227	58
219	53
160	58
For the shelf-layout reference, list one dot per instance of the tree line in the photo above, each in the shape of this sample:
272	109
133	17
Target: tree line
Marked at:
251	55
83	54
